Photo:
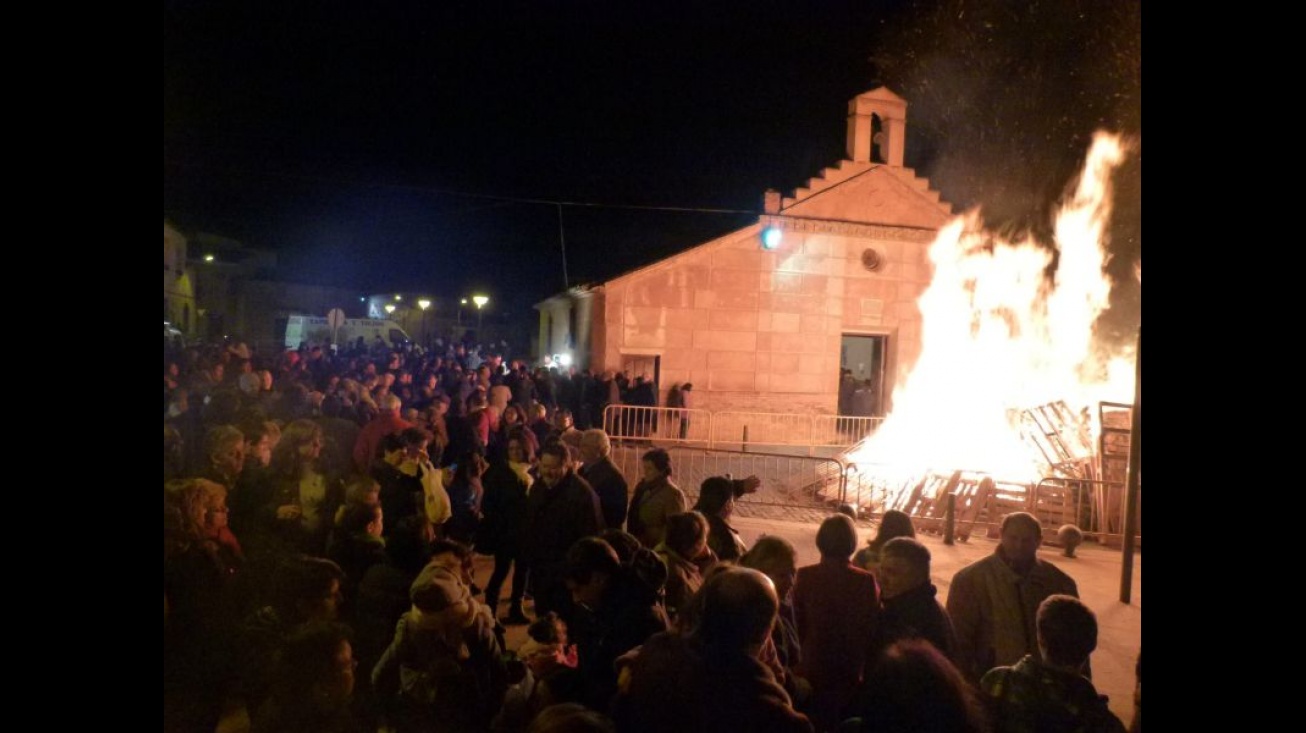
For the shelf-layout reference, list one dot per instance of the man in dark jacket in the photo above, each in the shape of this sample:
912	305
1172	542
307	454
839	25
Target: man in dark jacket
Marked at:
909	606
617	608
712	679
604	477
561	509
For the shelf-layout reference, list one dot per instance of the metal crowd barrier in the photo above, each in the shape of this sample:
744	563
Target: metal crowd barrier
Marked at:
736	430
787	481
1099	506
661	424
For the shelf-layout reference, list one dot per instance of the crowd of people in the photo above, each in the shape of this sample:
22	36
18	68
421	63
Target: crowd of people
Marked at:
323	512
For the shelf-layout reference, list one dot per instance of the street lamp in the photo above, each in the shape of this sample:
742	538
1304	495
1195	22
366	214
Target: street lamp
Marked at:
389	309
461	303
480	301
424	304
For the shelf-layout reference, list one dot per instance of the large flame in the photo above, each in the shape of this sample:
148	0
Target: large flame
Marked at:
1002	332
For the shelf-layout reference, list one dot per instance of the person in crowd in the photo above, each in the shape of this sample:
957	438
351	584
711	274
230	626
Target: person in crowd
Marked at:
304	497
623	543
369	438
1047	692
340	433
617	608
675	409
306	590
312	684
445	666
200	564
253	487
382	597
397	477
564	430
225	447
604	476
913	686
656	498
716	501
357	546
548	668
893	524
437	423
993	602
837	607
777	558
685	553
482	419
560	510
539	422
358	490
466	495
513	418
420	461
711	678
687	402
909	607
507	483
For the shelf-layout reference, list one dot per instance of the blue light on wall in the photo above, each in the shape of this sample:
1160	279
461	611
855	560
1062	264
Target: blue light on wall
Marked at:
771	237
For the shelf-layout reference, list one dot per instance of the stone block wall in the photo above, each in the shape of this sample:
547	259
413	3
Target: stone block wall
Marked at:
759	330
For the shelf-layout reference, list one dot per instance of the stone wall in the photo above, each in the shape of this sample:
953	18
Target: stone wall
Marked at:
761	330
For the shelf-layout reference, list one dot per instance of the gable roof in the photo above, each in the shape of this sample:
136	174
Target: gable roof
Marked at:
869	193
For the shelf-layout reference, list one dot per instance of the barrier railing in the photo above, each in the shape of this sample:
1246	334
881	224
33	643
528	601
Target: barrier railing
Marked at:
731	428
662	424
1098	506
842	430
805	482
737	430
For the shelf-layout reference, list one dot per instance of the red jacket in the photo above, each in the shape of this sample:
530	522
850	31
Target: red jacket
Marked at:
837	607
369	438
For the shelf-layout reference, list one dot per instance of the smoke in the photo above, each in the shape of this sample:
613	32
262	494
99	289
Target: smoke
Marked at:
1005	98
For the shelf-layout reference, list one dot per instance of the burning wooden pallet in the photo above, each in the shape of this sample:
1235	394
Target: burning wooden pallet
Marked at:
1062	437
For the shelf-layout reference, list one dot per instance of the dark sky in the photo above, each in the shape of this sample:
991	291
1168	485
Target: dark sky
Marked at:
380	145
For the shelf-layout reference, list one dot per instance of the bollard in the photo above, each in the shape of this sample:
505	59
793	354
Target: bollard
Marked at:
744	447
950	519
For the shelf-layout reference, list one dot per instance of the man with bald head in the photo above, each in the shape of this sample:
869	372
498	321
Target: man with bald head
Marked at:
994	602
710	678
604	476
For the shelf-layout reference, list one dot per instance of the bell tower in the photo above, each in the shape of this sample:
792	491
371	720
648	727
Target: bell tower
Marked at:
877	127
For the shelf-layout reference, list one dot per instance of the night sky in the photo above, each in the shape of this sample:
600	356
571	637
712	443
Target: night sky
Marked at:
419	145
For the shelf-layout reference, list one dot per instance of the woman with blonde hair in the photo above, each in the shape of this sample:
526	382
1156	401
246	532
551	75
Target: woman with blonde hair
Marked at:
305	497
198	575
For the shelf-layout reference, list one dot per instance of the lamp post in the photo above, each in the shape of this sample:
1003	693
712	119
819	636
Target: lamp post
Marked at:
462	302
480	301
424	304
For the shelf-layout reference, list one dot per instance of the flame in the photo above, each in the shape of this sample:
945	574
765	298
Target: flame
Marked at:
1003	331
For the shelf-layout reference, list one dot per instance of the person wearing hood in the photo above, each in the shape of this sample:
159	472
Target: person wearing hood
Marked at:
445	665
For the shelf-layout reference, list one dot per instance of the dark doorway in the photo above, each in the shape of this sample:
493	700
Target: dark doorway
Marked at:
862	362
639	365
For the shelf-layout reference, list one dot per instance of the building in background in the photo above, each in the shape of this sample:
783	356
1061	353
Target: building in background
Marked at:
766	317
